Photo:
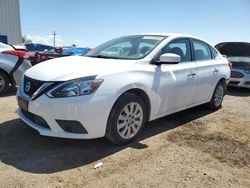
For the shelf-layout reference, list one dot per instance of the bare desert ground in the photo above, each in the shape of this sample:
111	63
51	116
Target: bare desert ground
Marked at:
193	148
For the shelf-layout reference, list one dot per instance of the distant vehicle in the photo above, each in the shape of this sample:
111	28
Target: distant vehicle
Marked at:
114	94
33	48
238	53
60	52
76	51
13	63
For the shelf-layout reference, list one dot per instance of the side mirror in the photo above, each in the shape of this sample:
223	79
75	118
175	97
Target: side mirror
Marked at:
169	58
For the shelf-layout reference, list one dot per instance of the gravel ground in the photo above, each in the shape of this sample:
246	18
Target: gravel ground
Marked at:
193	148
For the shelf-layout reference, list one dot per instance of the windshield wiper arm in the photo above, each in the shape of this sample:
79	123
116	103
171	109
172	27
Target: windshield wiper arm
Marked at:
103	56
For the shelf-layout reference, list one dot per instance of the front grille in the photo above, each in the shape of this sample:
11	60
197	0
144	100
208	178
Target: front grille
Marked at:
234	82
30	85
36	119
235	74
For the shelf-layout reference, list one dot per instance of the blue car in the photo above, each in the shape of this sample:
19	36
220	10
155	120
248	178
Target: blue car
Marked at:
75	51
36	47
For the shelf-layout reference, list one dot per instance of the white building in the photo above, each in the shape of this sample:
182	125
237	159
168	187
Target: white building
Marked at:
10	23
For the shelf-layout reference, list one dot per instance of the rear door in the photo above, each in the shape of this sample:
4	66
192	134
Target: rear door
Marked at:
207	71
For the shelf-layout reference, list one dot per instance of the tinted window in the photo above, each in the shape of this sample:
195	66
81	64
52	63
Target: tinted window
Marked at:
44	47
180	47
30	47
201	51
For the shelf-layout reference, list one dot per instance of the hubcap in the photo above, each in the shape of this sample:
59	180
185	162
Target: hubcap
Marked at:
130	120
2	83
218	97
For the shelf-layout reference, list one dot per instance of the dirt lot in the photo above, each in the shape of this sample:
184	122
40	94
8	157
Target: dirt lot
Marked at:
193	148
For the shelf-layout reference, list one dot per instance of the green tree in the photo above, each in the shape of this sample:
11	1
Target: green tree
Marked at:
25	39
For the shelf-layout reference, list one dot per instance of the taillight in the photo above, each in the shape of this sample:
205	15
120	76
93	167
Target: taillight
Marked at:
19	53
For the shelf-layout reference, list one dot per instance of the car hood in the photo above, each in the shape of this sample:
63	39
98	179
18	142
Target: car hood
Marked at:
72	67
236	49
238	53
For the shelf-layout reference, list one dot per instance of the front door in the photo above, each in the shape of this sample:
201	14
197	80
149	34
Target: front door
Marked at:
176	83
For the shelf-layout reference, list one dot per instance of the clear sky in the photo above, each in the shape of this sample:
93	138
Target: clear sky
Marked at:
91	22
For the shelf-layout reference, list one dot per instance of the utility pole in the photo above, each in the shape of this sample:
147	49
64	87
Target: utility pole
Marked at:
54	38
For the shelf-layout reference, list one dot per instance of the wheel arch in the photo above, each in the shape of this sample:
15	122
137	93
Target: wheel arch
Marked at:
139	92
110	133
11	78
223	80
142	94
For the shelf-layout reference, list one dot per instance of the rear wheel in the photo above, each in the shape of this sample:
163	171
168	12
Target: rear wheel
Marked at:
126	120
4	83
218	96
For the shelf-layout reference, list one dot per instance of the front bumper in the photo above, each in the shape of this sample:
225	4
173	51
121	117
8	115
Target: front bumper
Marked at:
244	81
90	111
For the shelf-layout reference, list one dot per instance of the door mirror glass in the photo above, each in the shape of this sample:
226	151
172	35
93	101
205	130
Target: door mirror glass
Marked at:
169	58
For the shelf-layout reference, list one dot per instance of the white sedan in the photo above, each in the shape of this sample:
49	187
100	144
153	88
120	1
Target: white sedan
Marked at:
112	95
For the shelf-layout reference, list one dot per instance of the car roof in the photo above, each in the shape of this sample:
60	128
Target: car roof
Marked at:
170	34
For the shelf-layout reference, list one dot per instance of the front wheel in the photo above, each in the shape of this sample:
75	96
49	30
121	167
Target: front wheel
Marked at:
217	97
126	120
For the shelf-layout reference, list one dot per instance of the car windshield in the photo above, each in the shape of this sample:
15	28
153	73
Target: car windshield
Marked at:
129	47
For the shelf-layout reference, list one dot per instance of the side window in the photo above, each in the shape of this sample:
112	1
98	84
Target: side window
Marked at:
214	52
30	47
44	47
180	47
201	51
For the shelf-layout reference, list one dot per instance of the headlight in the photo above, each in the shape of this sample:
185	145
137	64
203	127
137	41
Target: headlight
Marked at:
75	88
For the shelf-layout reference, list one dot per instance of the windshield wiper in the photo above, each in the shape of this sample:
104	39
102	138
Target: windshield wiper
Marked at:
103	56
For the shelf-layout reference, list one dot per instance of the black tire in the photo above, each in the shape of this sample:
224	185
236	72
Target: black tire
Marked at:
4	79
112	133
219	90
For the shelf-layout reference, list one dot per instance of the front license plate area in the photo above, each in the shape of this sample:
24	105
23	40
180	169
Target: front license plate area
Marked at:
22	103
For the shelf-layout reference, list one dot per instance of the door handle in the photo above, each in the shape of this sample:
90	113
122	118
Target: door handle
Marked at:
216	70
192	74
